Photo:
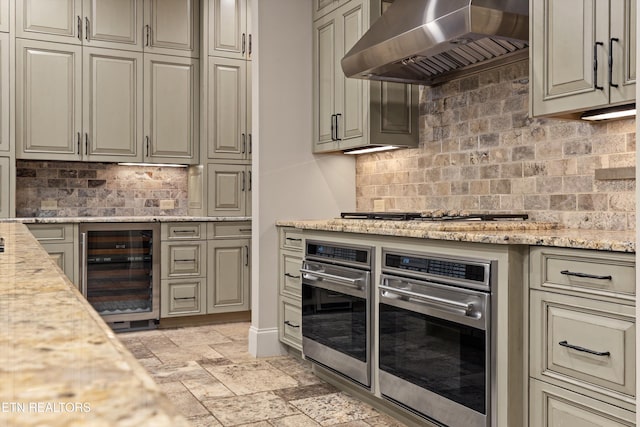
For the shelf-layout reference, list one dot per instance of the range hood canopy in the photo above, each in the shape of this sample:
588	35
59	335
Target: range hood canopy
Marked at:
432	41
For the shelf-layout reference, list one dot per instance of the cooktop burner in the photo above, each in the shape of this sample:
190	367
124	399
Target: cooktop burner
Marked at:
432	216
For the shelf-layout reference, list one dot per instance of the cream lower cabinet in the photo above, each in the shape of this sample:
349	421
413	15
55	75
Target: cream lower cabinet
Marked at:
228	267
290	287
229	189
183	270
582	338
60	243
586	65
352	113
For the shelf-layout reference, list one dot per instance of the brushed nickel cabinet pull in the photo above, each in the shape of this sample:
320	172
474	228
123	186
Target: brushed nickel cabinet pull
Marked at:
147	30
585	275
584	350
79	142
244	43
79	28
146	138
293	325
86	28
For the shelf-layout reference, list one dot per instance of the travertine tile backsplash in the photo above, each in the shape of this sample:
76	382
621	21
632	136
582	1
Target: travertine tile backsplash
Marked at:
98	189
480	151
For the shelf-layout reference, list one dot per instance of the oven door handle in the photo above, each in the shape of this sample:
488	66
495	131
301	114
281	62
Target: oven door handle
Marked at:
466	307
343	280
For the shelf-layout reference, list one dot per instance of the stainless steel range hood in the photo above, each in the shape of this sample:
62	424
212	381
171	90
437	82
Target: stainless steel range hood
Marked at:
432	41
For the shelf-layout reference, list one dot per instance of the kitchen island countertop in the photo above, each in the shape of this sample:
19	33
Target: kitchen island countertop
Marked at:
61	364
497	232
160	218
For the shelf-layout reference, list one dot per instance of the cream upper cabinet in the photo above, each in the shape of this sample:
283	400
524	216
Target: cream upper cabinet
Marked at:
171	109
5	144
228	275
112	92
5	187
322	7
228	35
48	100
4	16
585	65
229	188
172	27
226	108
351	113
97	23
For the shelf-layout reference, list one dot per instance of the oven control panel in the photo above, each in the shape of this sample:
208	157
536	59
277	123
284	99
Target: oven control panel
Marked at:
336	252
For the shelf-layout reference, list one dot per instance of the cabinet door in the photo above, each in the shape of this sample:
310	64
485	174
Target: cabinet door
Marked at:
171	110
563	55
52	20
226	104
172	27
183	259
249	127
228	28
227	186
5	187
289	327
325	62
228	276
63	254
112	93
5	145
116	24
48	100
4	16
249	192
623	51
182	297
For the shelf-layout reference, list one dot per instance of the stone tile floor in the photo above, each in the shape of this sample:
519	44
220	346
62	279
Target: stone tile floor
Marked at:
211	378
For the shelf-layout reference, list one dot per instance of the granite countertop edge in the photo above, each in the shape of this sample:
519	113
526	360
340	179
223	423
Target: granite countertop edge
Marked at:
158	218
495	232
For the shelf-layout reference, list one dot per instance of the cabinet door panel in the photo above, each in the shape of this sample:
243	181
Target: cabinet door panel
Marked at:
227	188
324	81
5	145
351	105
52	20
171	108
4	16
227	109
227	28
228	276
112	104
623	28
48	100
183	259
182	297
113	23
563	55
5	187
173	27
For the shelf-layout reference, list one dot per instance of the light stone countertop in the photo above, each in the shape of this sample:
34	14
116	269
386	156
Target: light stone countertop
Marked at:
60	364
498	232
81	219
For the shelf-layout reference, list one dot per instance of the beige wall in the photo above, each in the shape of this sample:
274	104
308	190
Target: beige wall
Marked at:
480	151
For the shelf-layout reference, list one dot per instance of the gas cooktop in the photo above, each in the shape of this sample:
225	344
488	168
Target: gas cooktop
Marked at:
432	216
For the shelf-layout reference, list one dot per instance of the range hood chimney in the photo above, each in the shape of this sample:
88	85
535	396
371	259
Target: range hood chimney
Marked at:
433	41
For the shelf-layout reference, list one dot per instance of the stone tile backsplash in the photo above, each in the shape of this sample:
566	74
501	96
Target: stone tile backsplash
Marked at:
480	151
98	189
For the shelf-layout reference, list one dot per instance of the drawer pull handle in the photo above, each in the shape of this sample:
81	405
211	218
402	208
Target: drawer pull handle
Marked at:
245	230
291	275
184	298
584	350
585	275
293	239
184	260
184	231
293	325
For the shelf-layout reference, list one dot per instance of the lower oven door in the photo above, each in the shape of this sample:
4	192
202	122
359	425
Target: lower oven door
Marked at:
434	354
335	319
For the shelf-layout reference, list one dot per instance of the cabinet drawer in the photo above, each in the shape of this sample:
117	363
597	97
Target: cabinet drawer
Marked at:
52	233
584	342
591	272
553	406
229	230
182	297
183	259
290	330
290	277
183	231
291	238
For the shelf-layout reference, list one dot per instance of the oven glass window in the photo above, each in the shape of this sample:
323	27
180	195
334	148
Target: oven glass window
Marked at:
335	320
441	356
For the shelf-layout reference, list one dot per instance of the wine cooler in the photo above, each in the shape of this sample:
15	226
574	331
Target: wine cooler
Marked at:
120	272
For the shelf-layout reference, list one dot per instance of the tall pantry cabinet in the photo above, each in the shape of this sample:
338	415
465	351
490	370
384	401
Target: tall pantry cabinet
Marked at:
108	81
7	160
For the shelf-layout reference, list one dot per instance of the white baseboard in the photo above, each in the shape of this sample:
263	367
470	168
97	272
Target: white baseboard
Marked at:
265	342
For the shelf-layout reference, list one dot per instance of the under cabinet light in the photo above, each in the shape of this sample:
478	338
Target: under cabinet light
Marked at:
610	113
165	165
372	149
